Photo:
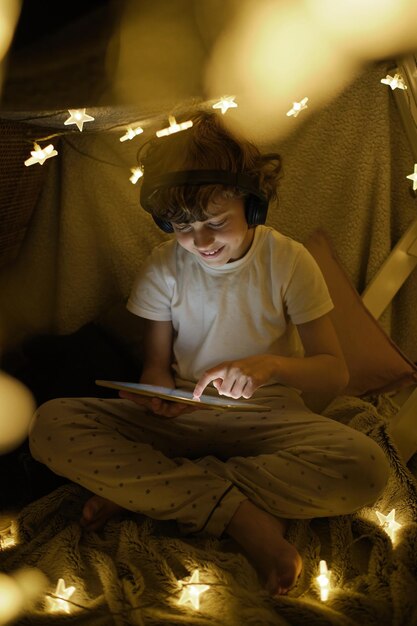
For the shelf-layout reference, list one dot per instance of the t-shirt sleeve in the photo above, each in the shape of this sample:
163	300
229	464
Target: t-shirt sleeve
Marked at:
306	295
150	295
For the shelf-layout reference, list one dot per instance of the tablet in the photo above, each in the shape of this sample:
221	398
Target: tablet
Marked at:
185	397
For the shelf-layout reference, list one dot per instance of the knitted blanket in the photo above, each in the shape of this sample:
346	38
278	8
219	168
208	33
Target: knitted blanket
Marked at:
129	572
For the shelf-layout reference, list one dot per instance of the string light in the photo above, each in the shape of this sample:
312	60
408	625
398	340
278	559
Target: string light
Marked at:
192	590
388	523
297	107
395	82
225	103
137	172
324	581
173	127
413	177
78	117
58	602
131	133
40	155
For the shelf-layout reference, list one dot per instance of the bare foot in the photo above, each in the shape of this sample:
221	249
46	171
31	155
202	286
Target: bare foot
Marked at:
97	511
262	537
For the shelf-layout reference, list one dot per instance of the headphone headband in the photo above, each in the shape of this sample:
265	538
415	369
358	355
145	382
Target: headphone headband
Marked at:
197	177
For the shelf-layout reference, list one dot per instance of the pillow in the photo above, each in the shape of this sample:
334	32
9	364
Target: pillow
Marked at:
375	363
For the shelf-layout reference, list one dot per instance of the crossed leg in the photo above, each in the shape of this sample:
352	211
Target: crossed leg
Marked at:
261	535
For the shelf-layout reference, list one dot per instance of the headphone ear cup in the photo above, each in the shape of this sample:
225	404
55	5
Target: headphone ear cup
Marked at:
163	224
255	210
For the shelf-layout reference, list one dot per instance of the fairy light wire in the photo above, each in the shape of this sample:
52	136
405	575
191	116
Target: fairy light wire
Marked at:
131	609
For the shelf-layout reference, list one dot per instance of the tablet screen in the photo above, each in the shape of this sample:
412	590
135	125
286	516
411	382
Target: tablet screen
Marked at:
186	397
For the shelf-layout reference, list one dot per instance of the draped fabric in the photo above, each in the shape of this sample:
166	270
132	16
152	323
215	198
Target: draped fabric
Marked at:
344	170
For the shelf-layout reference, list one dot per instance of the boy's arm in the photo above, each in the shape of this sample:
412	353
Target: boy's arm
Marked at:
157	353
322	369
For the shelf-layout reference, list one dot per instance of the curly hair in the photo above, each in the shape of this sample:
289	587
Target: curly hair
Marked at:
207	145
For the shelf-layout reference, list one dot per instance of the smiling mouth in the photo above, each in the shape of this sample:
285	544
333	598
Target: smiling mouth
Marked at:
211	254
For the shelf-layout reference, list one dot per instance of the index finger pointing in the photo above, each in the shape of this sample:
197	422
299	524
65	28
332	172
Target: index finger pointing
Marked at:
205	380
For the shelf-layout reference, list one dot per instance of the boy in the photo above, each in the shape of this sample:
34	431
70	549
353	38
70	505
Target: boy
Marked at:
231	304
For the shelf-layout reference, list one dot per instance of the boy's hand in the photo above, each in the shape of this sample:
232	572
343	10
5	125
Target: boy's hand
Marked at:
240	378
164	408
157	406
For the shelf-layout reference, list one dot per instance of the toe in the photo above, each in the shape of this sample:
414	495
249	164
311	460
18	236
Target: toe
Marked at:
91	512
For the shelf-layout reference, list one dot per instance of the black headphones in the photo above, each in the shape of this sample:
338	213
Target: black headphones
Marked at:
256	203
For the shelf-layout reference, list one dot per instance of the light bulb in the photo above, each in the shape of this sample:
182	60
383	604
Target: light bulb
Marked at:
225	103
297	107
191	592
173	127
78	117
324	581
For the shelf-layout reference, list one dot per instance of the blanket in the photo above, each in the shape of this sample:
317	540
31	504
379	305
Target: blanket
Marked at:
134	570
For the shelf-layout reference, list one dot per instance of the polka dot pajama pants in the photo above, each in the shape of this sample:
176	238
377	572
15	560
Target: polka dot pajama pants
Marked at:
197	468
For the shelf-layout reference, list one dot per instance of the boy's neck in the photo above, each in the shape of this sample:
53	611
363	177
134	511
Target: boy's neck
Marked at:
250	238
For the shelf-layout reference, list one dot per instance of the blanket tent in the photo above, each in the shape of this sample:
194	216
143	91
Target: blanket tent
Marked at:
72	237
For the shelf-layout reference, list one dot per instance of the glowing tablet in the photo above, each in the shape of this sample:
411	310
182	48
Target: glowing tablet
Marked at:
185	397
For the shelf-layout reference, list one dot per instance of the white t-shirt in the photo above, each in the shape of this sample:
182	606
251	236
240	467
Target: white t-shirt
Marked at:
243	308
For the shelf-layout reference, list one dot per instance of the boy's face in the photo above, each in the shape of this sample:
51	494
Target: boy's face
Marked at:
222	238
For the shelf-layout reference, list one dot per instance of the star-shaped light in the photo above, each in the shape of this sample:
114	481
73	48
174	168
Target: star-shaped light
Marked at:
173	127
137	172
131	133
413	177
79	117
297	107
39	155
324	581
395	82
388	523
225	103
191	592
60	604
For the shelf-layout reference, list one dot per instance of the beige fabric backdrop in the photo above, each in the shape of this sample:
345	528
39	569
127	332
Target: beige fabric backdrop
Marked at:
345	170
